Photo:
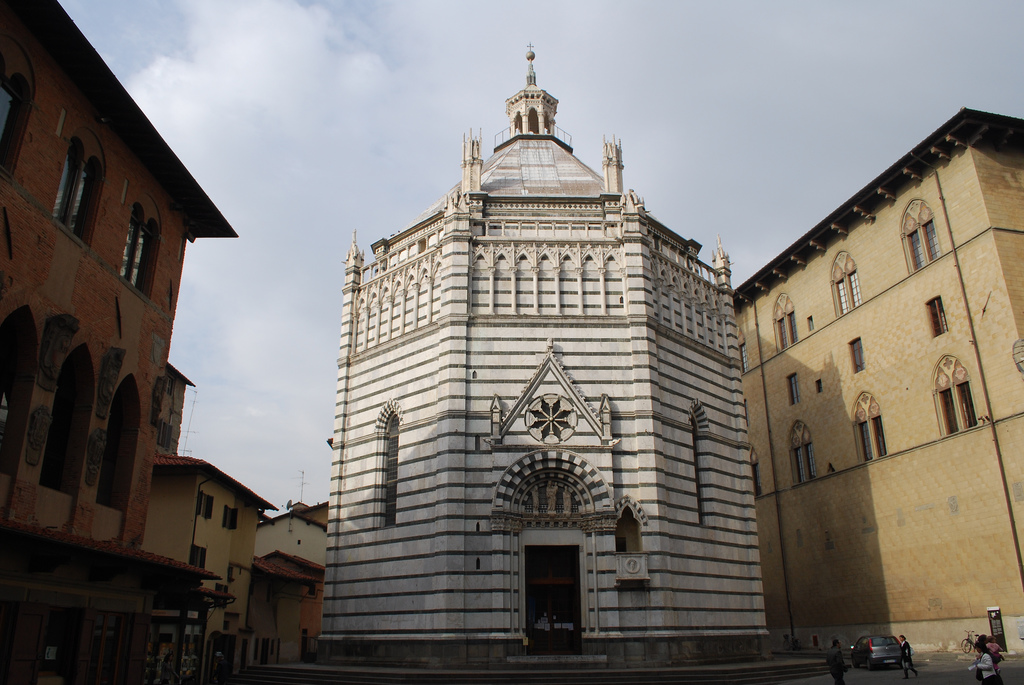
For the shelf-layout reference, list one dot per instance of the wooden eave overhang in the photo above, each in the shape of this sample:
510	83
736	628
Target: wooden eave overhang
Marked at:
966	129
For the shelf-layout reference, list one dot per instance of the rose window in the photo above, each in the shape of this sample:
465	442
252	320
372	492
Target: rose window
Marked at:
551	419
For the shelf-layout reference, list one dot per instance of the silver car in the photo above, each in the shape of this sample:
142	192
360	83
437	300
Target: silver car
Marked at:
875	651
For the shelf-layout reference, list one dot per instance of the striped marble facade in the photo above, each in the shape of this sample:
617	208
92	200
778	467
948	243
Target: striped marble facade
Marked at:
565	375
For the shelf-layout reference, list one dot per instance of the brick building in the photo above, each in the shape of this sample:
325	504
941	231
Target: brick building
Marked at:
882	378
96	213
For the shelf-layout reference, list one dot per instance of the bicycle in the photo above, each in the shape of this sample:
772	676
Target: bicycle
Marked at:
967	644
790	644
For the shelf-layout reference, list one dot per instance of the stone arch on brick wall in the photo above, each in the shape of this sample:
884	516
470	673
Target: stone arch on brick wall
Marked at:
19	342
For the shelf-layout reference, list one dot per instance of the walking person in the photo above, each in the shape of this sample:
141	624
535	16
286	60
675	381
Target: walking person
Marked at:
167	674
906	657
995	650
834	661
983	667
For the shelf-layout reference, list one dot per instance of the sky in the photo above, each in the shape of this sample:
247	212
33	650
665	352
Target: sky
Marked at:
307	121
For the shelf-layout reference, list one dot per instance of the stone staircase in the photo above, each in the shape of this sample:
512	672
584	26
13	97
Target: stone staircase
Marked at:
757	673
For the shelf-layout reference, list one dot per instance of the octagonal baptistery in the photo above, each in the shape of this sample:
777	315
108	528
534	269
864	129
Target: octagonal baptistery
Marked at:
539	444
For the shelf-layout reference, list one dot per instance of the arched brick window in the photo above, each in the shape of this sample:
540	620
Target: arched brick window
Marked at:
845	284
75	195
867	421
15	95
953	400
136	263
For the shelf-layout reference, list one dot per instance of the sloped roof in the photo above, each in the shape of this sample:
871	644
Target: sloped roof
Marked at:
301	514
109	547
538	165
174	462
967	128
297	560
59	35
271	569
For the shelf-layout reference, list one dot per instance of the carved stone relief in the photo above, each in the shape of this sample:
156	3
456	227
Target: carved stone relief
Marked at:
94	455
110	370
54	347
38	428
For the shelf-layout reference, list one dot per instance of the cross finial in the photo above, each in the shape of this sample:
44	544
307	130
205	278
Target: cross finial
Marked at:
531	78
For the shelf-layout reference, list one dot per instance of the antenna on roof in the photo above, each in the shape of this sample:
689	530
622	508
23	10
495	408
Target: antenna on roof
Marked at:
188	427
288	506
302	483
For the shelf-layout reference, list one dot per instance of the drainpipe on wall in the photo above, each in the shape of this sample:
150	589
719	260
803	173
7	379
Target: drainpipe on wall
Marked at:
775	481
984	382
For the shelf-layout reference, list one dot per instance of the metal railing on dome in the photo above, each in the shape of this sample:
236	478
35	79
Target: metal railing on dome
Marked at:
505	135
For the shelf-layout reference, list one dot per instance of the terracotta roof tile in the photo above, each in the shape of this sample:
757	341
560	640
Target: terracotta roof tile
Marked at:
271	569
297	560
105	546
175	461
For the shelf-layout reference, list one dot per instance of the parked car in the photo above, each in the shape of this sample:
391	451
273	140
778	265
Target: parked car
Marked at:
875	651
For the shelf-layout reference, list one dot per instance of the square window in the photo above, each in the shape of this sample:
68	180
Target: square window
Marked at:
937	316
857	354
794	389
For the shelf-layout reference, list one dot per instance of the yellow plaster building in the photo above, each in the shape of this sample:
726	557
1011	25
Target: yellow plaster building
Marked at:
199	514
883	382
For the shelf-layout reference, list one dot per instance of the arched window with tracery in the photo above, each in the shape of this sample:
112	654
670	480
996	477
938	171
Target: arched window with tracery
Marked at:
390	442
920	239
802	449
845	284
75	195
953	399
138	250
867	420
785	322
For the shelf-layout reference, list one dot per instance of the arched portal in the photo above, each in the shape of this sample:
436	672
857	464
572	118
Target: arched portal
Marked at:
548	510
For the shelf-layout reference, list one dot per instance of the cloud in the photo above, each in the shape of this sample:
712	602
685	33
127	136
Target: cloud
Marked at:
307	120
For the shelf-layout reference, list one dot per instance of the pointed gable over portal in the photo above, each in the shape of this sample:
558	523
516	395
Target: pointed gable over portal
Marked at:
552	410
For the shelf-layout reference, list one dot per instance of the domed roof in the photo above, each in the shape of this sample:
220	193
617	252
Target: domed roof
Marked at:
530	165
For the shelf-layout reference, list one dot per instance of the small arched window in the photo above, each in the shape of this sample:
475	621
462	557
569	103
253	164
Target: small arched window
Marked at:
135	264
802	449
627	533
785	322
845	284
920	239
954	402
77	186
870	432
391	471
533	121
